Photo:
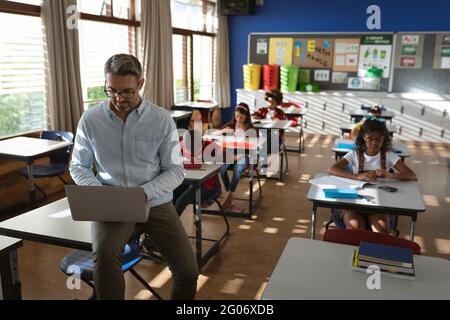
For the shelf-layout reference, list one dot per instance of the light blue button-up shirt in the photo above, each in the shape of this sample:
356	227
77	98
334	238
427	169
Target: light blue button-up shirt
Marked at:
142	151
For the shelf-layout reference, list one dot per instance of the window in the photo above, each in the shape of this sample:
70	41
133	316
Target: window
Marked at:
203	67
194	25
110	8
22	74
108	29
98	42
181	67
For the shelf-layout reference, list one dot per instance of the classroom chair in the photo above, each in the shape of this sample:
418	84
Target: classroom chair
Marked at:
296	122
354	237
59	161
82	261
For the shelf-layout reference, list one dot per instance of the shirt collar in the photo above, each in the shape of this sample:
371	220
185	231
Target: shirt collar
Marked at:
111	113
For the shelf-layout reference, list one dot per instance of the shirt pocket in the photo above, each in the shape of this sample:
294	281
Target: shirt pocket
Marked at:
146	149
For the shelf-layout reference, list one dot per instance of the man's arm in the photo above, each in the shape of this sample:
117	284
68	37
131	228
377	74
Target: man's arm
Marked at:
83	159
172	174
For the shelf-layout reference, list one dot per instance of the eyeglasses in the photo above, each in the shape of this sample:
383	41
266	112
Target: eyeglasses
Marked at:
374	118
126	94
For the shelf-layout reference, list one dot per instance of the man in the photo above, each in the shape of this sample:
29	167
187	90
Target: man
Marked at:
133	143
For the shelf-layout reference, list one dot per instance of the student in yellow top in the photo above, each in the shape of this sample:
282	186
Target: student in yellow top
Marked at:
375	111
371	159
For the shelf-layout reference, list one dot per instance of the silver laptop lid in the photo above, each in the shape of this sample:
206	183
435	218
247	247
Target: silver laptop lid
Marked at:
107	204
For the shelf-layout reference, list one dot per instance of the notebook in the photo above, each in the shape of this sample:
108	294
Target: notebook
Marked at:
190	165
385	254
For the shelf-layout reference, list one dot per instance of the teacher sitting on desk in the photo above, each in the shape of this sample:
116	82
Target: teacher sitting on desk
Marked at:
273	110
133	142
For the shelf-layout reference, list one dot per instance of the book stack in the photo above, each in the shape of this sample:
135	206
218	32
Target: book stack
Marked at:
393	261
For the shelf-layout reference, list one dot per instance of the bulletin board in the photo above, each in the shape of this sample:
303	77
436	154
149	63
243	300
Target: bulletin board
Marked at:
334	61
422	63
341	61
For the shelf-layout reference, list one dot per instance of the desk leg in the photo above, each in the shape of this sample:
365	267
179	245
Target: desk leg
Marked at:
301	143
198	225
411	228
31	189
313	221
10	287
250	184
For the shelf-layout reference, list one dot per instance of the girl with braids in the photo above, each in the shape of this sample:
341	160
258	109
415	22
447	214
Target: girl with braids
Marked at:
371	159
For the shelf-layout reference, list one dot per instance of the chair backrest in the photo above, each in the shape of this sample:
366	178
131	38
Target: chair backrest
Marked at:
354	237
62	156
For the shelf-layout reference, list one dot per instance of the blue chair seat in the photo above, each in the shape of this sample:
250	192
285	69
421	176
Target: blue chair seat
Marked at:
59	160
83	262
42	171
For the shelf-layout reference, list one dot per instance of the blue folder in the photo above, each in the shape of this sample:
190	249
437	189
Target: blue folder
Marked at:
342	145
341	193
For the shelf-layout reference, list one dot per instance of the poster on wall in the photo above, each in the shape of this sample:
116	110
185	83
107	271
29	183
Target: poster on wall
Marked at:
280	51
339	77
261	46
409	51
321	75
375	55
358	83
346	55
313	53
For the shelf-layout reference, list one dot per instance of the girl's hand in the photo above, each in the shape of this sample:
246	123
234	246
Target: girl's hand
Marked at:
367	176
381	173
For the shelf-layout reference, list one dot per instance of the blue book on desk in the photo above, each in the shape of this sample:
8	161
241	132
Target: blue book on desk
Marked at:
343	145
385	254
341	193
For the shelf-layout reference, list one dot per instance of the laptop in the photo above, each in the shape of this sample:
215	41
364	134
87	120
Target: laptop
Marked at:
107	203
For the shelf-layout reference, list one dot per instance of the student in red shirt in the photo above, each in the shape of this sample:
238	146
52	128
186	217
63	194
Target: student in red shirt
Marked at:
185	194
273	110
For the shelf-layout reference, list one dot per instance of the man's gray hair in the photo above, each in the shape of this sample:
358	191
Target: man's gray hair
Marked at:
123	65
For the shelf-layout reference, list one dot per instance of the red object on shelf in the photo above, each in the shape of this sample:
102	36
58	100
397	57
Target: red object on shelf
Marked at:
271	76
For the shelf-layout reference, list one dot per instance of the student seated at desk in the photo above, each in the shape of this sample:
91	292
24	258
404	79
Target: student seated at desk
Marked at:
273	110
374	111
371	159
241	122
197	117
184	194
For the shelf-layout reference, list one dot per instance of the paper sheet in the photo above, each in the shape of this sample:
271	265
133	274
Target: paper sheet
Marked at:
338	182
